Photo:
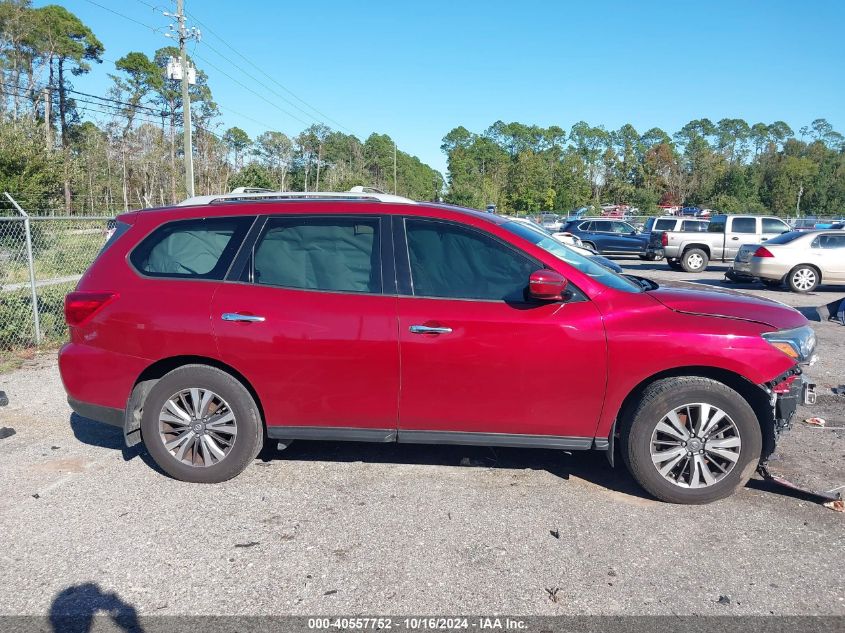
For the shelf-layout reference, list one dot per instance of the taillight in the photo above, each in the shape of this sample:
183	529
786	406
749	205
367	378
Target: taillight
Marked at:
81	306
763	252
664	240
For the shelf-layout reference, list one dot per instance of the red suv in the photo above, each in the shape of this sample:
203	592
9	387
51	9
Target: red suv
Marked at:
205	330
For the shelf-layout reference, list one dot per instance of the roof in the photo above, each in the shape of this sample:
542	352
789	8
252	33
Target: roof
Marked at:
243	194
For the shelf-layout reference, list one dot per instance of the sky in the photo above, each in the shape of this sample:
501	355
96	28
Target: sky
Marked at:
416	70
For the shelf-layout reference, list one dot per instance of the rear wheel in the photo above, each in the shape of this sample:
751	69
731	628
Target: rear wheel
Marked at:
694	260
201	425
591	247
803	278
691	440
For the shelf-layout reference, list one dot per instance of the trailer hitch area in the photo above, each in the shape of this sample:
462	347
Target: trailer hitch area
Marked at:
810	495
809	393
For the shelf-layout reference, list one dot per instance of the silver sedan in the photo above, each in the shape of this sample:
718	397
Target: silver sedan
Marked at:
801	259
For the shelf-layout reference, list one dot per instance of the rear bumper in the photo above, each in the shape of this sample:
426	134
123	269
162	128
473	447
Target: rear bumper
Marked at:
98	377
106	415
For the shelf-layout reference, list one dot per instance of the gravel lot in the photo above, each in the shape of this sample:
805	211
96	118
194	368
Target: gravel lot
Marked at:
352	528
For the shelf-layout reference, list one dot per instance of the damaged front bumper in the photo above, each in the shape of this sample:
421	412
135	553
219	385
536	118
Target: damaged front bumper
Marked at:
786	393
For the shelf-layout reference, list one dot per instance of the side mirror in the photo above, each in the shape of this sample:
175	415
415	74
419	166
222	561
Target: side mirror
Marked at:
546	285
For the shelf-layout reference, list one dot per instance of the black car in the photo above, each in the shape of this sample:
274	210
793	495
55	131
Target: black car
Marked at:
608	236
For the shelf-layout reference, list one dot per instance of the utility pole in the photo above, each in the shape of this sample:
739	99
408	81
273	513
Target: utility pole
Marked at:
394	168
187	76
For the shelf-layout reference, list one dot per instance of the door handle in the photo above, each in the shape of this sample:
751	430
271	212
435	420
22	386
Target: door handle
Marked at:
425	329
245	318
734	238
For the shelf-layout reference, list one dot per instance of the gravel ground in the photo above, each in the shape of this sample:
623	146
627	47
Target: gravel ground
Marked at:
353	528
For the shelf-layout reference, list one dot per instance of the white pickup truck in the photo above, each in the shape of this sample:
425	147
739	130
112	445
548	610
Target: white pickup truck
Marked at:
725	235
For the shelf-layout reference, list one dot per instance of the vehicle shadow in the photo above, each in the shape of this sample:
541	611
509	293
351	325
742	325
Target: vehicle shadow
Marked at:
591	466
103	435
74	609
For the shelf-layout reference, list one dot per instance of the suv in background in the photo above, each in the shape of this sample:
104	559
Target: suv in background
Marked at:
607	236
205	330
725	235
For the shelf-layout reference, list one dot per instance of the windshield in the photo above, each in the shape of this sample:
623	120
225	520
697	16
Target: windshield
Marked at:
586	265
786	238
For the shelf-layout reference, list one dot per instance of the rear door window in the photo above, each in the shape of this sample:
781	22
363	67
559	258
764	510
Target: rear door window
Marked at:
744	225
329	253
195	249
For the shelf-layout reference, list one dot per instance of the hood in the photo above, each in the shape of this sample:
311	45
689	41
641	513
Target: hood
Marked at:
692	299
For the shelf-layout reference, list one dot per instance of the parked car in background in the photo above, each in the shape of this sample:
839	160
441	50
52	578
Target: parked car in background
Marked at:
804	224
800	259
201	330
608	237
550	221
655	227
575	244
725	235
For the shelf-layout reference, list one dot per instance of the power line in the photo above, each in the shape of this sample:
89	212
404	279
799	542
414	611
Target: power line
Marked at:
123	15
257	94
271	78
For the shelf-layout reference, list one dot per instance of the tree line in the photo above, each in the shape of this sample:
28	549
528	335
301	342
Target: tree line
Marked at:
729	165
82	152
123	149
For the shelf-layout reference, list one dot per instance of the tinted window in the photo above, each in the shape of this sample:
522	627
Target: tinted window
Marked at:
664	225
587	265
319	253
786	238
455	262
694	226
198	249
602	225
744	225
587	226
621	227
831	241
717	224
773	225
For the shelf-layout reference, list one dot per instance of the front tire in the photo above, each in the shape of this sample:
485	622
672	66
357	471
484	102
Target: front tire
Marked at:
201	425
695	260
691	440
803	279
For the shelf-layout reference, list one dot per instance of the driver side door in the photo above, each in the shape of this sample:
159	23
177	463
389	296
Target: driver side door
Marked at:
480	363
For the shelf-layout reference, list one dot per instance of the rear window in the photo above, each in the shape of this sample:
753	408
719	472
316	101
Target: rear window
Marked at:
664	225
196	249
786	238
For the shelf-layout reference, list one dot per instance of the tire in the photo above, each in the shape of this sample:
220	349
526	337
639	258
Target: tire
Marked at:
803	278
772	283
694	260
230	397
640	428
674	264
592	247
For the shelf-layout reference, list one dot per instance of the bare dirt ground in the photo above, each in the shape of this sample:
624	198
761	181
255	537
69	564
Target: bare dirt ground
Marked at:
353	528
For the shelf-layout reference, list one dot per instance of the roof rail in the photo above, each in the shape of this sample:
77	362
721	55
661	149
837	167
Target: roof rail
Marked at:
251	195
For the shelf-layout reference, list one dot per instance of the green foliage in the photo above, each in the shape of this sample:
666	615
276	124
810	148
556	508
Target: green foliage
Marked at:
253	175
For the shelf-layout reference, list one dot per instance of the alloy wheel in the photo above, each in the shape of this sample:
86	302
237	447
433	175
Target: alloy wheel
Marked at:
804	279
695	261
695	445
197	427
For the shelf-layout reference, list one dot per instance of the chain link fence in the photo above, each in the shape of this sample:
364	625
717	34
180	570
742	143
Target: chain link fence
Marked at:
41	259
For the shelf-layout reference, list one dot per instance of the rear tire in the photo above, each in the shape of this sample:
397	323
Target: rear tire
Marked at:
591	247
694	260
803	278
221	434
738	432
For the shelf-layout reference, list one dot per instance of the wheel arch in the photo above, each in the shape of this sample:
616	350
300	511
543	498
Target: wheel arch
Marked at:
703	247
160	368
805	265
752	393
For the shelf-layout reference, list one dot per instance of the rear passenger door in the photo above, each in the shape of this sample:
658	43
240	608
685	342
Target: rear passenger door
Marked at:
741	231
309	317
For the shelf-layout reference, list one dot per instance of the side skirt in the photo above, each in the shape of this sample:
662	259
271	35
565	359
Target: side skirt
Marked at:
348	434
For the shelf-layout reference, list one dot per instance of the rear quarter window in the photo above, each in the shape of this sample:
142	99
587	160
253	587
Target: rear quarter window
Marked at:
194	249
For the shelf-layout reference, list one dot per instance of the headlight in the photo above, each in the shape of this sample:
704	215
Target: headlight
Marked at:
798	343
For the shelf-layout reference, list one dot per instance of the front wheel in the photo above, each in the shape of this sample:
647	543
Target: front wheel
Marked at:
201	425
691	440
